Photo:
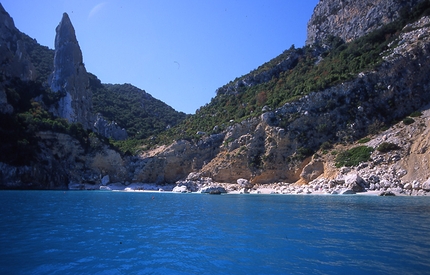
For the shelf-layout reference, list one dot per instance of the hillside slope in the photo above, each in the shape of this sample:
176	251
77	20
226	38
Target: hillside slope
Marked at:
274	119
313	116
138	112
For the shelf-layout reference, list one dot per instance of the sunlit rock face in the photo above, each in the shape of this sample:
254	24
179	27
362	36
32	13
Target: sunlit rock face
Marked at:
70	77
350	19
109	129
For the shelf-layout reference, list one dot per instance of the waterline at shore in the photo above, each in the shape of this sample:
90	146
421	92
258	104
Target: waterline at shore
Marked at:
264	189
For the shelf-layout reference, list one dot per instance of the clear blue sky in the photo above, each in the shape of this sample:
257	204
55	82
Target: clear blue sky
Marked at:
179	51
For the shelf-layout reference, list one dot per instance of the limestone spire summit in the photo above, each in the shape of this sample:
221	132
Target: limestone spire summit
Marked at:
66	37
70	77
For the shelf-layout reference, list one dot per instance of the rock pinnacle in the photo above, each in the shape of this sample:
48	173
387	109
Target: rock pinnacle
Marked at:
70	77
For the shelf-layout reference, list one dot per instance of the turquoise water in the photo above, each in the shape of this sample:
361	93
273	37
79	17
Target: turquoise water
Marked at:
84	232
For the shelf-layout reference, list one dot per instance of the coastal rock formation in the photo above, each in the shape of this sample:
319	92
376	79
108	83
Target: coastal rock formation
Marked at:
109	129
174	162
14	58
281	150
65	163
349	19
70	77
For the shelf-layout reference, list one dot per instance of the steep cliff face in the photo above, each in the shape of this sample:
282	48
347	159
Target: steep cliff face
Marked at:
109	129
14	57
70	77
350	19
174	162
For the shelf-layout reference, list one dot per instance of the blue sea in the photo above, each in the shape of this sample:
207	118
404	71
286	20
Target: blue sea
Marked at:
96	232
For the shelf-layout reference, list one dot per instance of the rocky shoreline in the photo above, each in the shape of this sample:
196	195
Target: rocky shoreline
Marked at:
351	184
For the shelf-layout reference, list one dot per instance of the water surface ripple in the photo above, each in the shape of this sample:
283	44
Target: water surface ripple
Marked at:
56	232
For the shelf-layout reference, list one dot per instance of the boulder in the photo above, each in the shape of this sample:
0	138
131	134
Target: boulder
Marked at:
426	185
212	189
387	193
345	170
180	189
193	176
385	183
105	180
355	183
416	185
311	171
244	191
244	183
407	186
347	192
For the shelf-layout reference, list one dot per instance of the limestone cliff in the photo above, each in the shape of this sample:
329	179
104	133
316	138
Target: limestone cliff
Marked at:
349	19
64	162
70	77
15	61
109	129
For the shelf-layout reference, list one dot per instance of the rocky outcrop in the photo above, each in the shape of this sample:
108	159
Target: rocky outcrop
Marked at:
401	171
63	162
109	129
350	19
15	61
172	163
312	170
70	77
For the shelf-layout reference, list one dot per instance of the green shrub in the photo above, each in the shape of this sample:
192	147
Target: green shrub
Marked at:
326	145
408	121
354	156
416	114
364	140
303	152
387	146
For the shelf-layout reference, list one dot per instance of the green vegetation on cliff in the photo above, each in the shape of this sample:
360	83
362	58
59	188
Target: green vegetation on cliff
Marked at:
18	130
354	156
41	56
133	109
314	68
